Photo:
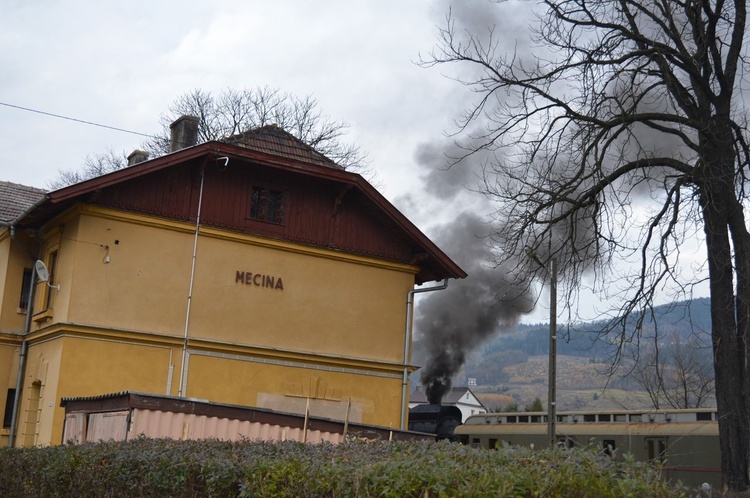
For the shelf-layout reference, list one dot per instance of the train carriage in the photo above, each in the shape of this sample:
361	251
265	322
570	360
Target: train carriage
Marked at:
683	443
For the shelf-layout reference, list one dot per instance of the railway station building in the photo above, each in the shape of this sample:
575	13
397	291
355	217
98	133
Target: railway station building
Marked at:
252	271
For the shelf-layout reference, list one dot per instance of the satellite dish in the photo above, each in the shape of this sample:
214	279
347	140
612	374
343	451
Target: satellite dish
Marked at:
41	270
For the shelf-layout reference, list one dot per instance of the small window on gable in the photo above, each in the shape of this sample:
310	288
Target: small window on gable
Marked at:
25	288
267	205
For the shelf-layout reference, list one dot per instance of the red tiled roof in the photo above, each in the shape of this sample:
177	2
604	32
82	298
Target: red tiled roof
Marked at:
274	140
15	199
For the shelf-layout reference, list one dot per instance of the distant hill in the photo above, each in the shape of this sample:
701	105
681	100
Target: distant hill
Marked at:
489	363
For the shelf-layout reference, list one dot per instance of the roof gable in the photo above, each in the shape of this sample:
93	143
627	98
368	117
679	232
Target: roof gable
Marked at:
174	180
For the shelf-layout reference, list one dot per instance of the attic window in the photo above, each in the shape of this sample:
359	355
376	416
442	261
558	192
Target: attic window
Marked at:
267	205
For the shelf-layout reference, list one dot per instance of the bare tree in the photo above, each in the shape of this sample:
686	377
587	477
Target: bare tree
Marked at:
691	378
231	112
93	166
619	135
676	373
648	373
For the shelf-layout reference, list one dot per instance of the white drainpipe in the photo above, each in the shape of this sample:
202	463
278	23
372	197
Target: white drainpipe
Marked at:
183	364
407	346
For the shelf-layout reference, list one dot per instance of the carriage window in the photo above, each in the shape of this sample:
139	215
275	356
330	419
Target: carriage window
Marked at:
589	418
605	418
657	448
566	442
703	416
609	447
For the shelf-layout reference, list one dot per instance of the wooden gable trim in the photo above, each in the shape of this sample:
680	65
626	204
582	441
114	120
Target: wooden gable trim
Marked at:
429	256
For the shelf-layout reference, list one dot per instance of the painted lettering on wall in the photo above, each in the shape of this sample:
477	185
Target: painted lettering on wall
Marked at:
259	280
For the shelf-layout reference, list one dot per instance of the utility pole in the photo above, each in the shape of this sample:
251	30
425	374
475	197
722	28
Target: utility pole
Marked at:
552	391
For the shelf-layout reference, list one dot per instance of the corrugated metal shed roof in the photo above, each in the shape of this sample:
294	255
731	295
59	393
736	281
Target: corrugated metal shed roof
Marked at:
15	199
274	140
211	419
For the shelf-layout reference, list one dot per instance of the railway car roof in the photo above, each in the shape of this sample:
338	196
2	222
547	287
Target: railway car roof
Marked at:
598	429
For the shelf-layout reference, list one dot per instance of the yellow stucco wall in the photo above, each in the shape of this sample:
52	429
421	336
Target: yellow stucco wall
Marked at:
286	387
9	352
12	263
330	301
349	307
5	242
136	290
334	332
36	417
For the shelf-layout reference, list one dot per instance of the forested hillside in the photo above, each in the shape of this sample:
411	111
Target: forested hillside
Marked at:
683	319
514	363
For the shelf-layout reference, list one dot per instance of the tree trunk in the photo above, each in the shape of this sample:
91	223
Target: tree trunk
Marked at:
723	217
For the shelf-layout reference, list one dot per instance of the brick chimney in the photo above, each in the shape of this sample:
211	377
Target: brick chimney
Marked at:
183	133
137	156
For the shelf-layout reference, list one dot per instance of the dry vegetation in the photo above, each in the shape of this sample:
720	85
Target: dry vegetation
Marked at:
581	385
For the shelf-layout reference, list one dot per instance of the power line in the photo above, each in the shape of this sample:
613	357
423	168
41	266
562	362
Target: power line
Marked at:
77	120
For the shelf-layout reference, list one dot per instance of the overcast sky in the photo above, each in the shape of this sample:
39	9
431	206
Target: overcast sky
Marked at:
122	63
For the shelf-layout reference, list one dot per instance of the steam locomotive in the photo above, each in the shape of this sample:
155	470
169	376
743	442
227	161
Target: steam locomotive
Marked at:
440	420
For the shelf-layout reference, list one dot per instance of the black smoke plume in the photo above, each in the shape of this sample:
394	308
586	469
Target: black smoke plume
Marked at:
452	322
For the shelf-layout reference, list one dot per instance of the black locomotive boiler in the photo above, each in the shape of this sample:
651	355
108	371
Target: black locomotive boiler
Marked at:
440	420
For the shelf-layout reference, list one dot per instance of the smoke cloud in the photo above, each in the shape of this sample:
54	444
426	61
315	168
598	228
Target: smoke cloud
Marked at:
450	323
454	321
441	180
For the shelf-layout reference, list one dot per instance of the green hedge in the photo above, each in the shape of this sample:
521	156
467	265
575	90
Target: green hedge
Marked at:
148	467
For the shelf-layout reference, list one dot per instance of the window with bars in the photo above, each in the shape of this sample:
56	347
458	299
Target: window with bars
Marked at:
267	205
25	288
